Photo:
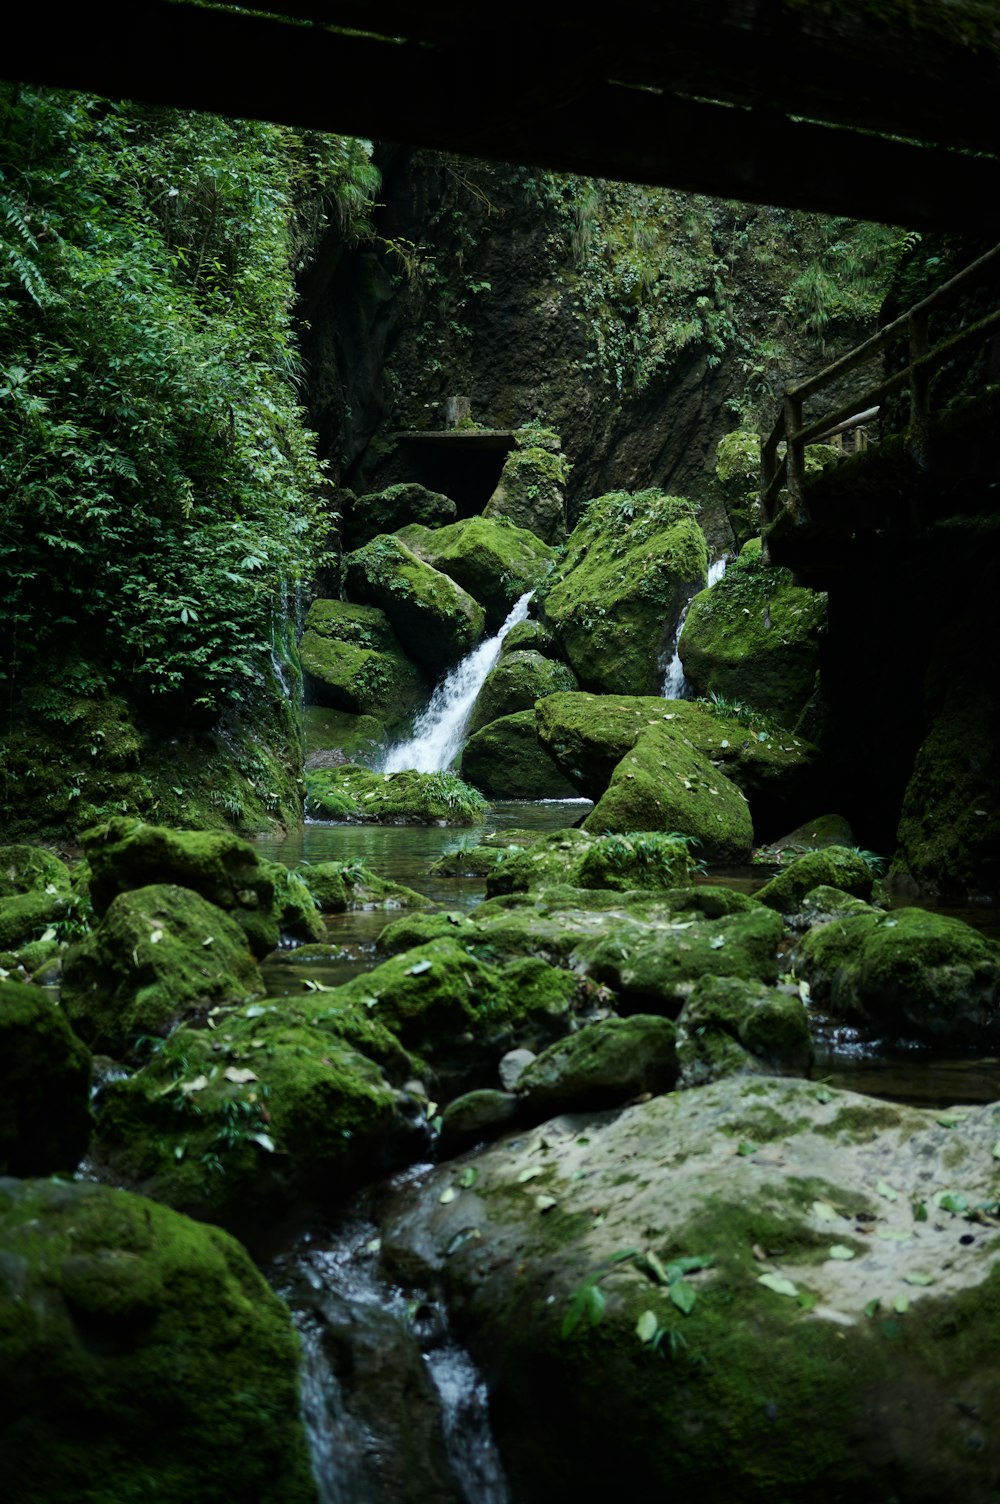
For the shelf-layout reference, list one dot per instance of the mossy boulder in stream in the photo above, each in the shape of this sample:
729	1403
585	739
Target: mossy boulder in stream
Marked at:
906	971
506	761
832	867
141	1357
158	955
395	507
579	859
352	661
615	599
730	1027
700	1302
754	638
282	1103
603	1064
515	683
495	561
339	886
437	620
530	493
44	1085
358	795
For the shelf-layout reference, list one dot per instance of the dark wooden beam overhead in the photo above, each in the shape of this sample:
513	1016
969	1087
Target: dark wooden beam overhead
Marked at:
859	109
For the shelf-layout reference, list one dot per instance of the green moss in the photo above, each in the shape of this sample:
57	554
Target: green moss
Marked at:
615	599
339	886
357	737
27	868
44	1085
530	492
396	506
517	681
729	1027
143	1357
860	1123
601	1065
505	760
438	621
495	561
833	867
405	798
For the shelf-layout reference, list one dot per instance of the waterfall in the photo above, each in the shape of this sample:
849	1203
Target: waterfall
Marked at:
674	682
438	731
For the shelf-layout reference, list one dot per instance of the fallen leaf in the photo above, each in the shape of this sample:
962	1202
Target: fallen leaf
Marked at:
778	1284
198	1084
240	1077
901	1304
530	1173
918	1279
469	1176
647	1326
265	1140
451	1194
156	937
841	1251
545	1203
683	1295
886	1190
418	968
825	1211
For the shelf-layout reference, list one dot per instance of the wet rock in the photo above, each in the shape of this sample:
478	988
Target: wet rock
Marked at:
513	1066
437	620
496	563
832	867
730	1027
515	683
339	886
602	1065
359	795
44	1085
477	1114
506	761
140	1356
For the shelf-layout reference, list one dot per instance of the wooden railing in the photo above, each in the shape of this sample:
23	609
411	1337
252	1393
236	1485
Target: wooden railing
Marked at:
788	472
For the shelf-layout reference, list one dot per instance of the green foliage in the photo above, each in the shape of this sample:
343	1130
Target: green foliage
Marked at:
158	485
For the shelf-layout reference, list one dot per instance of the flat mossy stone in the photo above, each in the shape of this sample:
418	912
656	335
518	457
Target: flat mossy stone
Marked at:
734	1027
588	735
506	761
786	1365
602	1065
906	971
405	503
515	683
417	929
755	638
158	955
44	1085
665	784
342	737
26	868
495	561
437	620
283	1103
832	867
142	1356
358	795
477	1114
530	493
615	599
226	871
337	887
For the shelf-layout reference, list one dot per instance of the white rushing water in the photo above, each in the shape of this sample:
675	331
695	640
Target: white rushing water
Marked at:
439	730
674	682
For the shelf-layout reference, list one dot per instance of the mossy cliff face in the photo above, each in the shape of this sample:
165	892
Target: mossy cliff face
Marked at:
141	1357
614	601
755	638
776	1361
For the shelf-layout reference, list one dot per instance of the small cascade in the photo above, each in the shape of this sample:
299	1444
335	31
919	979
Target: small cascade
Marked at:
674	683
439	730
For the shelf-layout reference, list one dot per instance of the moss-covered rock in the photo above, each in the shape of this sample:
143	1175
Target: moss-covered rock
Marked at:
24	869
530	493
395	507
731	1027
531	637
754	638
26	917
506	761
438	621
339	886
602	1065
334	736
619	863
141	1357
515	683
352	661
831	867
44	1085
615	599
794	1352
159	954
906	971
665	784
281	1103
477	1115
588	735
406	798
493	560
813	835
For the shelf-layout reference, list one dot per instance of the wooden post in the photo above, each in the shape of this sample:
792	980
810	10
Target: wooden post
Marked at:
920	380
795	456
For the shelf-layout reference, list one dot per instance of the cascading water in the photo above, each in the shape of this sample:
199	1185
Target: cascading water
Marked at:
674	682
439	730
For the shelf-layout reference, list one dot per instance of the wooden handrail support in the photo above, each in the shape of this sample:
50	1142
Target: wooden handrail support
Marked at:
775	474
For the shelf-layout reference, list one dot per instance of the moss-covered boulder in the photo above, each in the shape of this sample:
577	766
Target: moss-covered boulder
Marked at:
515	683
615	599
284	1102
26	917
437	620
578	859
24	869
335	736
532	637
506	761
831	867
158	955
812	835
141	1357
530	493
352	661
731	1027
406	798
44	1085
665	784
588	735
395	507
493	560
755	638
701	1302
603	1064
339	886
906	972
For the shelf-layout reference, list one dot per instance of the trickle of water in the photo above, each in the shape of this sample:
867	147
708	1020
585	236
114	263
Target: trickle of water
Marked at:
439	730
674	683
